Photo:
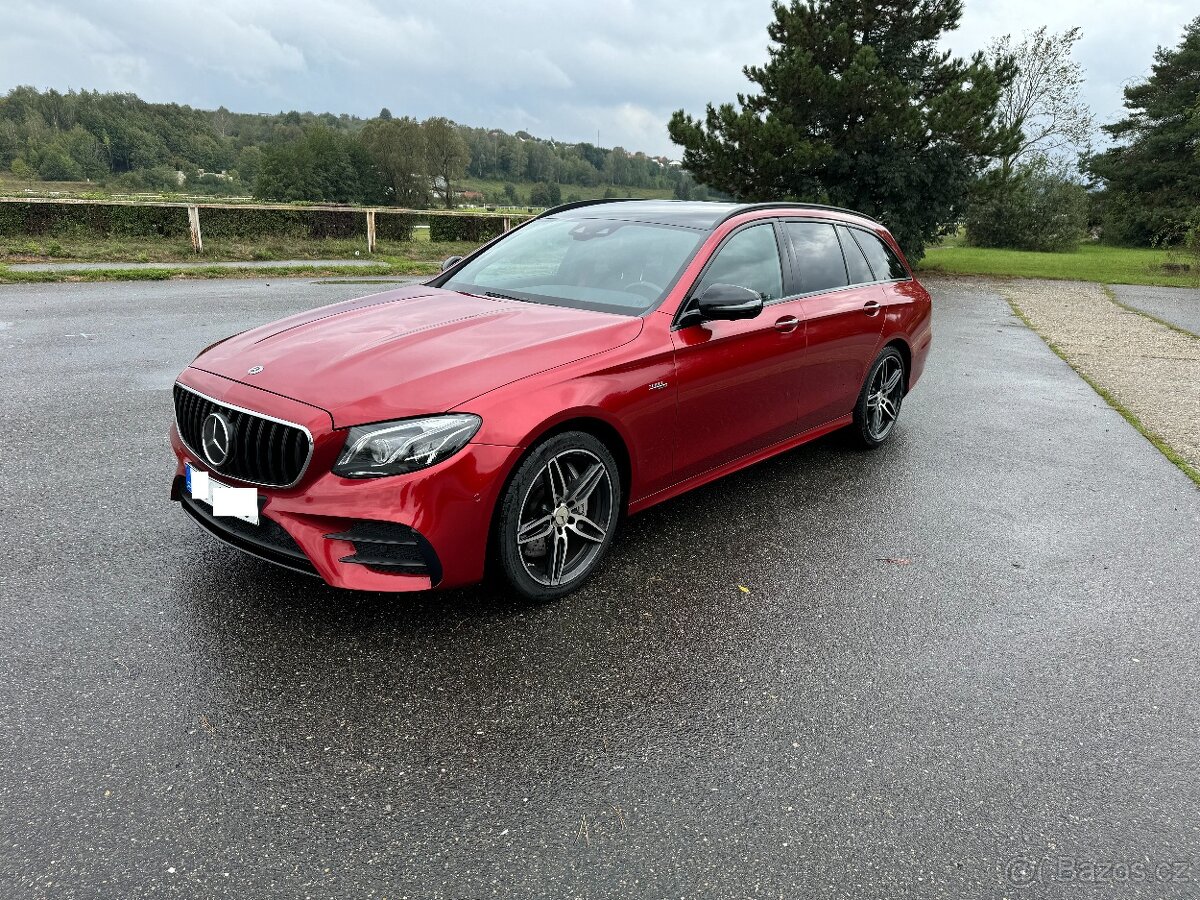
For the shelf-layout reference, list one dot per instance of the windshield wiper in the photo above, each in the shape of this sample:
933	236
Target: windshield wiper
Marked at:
499	296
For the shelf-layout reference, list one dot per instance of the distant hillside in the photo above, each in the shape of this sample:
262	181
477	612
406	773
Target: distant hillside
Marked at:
123	143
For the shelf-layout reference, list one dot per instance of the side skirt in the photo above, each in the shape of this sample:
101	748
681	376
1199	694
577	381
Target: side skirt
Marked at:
735	465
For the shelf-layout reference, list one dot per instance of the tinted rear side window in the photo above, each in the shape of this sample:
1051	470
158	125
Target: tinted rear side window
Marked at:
884	262
818	256
856	263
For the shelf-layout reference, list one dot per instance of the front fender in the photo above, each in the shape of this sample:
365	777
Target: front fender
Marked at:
624	391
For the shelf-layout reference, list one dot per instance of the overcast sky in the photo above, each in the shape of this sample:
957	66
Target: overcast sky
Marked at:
557	68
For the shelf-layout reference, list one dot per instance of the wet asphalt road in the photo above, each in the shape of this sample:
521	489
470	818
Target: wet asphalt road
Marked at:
1179	306
975	646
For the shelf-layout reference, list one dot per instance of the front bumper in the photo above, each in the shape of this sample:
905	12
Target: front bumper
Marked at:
401	533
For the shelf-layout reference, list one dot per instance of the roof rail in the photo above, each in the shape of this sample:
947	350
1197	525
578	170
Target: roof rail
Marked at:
563	207
783	205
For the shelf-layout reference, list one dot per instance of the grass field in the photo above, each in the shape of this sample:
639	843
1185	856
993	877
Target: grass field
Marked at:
166	250
11	186
1091	262
416	257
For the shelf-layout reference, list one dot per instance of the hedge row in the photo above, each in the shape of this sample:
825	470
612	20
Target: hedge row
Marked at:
120	220
476	229
93	219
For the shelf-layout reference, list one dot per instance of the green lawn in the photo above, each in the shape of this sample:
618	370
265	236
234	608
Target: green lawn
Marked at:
86	248
416	257
1091	262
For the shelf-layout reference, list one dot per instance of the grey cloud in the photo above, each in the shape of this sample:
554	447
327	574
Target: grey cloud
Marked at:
564	69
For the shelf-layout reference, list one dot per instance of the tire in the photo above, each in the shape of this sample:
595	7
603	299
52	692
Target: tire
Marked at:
539	520
877	409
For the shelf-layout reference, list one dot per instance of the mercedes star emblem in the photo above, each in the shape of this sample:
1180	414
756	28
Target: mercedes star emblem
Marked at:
217	438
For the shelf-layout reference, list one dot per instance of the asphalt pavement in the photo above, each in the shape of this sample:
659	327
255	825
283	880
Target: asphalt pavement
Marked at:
1179	306
940	669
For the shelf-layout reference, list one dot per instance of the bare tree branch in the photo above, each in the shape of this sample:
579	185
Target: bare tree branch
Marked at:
1043	101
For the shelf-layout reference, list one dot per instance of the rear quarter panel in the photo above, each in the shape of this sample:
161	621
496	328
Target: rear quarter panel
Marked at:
910	317
908	314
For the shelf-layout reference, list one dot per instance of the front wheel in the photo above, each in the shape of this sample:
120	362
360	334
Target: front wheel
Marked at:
558	516
878	405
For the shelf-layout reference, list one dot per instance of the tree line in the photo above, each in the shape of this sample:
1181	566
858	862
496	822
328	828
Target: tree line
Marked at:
858	106
126	143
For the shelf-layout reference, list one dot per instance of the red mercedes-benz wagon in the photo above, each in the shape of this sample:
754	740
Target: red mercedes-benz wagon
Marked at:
504	416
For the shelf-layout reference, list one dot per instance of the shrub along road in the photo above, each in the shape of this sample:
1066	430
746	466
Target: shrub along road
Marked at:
971	649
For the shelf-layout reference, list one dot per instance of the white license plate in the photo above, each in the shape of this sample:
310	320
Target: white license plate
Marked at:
225	500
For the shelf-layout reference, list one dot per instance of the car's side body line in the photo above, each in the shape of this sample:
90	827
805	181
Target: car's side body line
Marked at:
736	465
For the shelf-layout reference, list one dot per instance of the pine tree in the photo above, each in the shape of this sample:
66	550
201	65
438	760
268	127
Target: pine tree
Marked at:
857	107
1153	178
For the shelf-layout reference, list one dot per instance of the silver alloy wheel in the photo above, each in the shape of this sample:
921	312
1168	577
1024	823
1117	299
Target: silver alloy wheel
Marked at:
884	396
565	518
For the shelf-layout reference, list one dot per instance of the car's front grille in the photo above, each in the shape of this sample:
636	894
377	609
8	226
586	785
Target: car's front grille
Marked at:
263	450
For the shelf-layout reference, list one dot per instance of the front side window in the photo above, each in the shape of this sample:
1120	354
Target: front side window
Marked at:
749	259
884	261
600	264
818	256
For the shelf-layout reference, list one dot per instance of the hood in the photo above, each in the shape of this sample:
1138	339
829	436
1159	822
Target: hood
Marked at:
411	351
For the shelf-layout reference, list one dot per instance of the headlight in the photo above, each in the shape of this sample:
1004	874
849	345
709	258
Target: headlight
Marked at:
393	448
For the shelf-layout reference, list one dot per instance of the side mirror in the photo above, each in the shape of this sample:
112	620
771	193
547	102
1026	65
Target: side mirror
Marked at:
450	262
728	301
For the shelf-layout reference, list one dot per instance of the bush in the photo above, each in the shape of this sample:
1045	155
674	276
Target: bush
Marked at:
26	218
545	193
158	178
245	222
56	218
22	169
57	166
1182	243
147	220
468	228
396	226
1036	209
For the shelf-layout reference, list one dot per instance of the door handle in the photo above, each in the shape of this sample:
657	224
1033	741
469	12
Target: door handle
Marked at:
871	307
787	324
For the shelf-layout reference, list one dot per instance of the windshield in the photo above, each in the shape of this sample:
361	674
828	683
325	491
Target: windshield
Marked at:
600	264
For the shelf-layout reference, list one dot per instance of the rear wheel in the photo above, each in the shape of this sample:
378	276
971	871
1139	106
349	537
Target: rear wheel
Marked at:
558	516
878	405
